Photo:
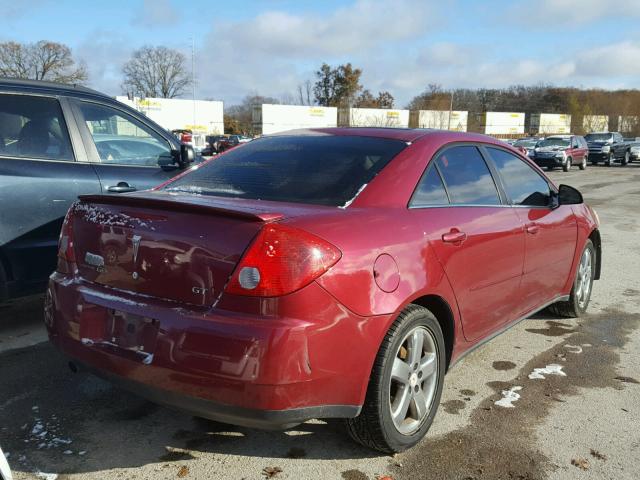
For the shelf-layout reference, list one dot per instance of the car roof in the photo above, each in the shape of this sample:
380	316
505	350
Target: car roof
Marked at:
403	134
559	136
34	85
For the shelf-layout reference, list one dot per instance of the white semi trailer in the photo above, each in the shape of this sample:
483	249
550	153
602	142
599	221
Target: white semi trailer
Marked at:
373	117
199	116
549	123
439	119
268	118
502	123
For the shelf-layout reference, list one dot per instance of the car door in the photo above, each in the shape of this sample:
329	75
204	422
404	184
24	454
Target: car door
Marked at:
577	152
43	169
551	231
478	240
125	151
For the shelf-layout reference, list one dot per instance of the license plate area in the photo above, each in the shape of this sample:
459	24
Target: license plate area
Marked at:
126	334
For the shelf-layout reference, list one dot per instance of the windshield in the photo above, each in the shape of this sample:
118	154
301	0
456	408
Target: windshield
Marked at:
528	143
597	137
318	169
554	142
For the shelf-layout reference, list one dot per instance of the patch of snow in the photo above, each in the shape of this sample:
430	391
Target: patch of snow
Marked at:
508	397
573	348
553	369
67	452
46	476
82	452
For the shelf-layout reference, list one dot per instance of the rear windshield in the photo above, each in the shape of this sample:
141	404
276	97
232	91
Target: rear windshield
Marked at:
315	169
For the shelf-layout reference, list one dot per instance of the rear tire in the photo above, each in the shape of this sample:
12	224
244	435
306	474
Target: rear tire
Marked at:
580	295
567	165
398	411
583	165
625	159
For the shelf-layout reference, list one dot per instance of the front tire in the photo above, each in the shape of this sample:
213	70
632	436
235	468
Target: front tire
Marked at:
567	165
609	160
405	384
580	295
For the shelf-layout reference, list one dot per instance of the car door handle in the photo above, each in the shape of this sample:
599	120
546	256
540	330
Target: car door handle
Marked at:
454	236
121	187
533	228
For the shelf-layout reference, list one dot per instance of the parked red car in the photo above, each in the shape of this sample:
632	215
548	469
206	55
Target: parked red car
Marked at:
323	273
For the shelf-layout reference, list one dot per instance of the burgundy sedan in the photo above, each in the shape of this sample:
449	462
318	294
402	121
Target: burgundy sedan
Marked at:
327	273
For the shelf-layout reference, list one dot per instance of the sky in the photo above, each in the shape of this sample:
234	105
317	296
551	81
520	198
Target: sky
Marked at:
270	47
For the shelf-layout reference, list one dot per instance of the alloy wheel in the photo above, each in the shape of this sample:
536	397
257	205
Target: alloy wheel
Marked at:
583	287
414	380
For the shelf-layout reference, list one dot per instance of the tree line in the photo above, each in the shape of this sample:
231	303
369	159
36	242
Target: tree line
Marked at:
158	71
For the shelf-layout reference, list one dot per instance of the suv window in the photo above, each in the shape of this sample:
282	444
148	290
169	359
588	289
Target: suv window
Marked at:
315	169
33	127
522	183
122	139
430	190
467	177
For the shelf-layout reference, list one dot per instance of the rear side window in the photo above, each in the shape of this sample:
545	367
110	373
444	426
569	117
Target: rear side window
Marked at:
467	177
33	127
314	169
430	190
523	184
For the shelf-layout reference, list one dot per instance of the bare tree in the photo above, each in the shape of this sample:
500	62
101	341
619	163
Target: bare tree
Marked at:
42	60
305	92
156	72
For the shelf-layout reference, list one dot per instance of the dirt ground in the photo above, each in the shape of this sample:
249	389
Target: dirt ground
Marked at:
574	387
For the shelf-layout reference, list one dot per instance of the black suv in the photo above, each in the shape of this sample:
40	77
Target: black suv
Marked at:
57	142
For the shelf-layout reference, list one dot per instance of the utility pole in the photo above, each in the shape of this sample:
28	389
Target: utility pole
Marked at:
450	110
193	78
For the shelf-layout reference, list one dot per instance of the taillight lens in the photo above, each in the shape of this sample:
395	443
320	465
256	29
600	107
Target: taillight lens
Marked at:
66	253
281	260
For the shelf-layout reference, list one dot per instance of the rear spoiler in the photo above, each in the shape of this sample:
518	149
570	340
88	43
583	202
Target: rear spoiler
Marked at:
184	203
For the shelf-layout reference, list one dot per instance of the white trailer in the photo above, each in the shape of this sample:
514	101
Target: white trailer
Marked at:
373	117
439	119
595	123
549	123
268	118
628	123
502	123
199	116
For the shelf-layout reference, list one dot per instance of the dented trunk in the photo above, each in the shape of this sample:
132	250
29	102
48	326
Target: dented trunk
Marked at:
182	250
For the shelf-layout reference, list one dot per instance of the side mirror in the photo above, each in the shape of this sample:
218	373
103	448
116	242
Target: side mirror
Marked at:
569	196
187	154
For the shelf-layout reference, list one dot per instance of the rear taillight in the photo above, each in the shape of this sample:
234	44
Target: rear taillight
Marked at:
281	260
186	138
66	253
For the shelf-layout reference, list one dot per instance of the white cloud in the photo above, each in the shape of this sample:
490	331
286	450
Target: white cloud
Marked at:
545	13
104	53
156	13
361	25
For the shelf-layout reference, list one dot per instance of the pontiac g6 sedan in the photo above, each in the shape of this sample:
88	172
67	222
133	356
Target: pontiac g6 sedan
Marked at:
327	273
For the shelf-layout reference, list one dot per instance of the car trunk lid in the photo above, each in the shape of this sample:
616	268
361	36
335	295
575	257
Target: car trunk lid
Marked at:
175	247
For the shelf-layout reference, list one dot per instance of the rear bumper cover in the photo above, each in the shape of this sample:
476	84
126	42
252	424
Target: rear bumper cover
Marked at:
267	371
234	415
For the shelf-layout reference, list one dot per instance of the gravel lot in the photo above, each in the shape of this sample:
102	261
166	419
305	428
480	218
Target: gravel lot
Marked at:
582	425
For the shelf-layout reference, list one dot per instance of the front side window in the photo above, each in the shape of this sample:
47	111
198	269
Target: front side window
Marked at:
315	169
467	177
430	190
33	127
121	139
523	184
